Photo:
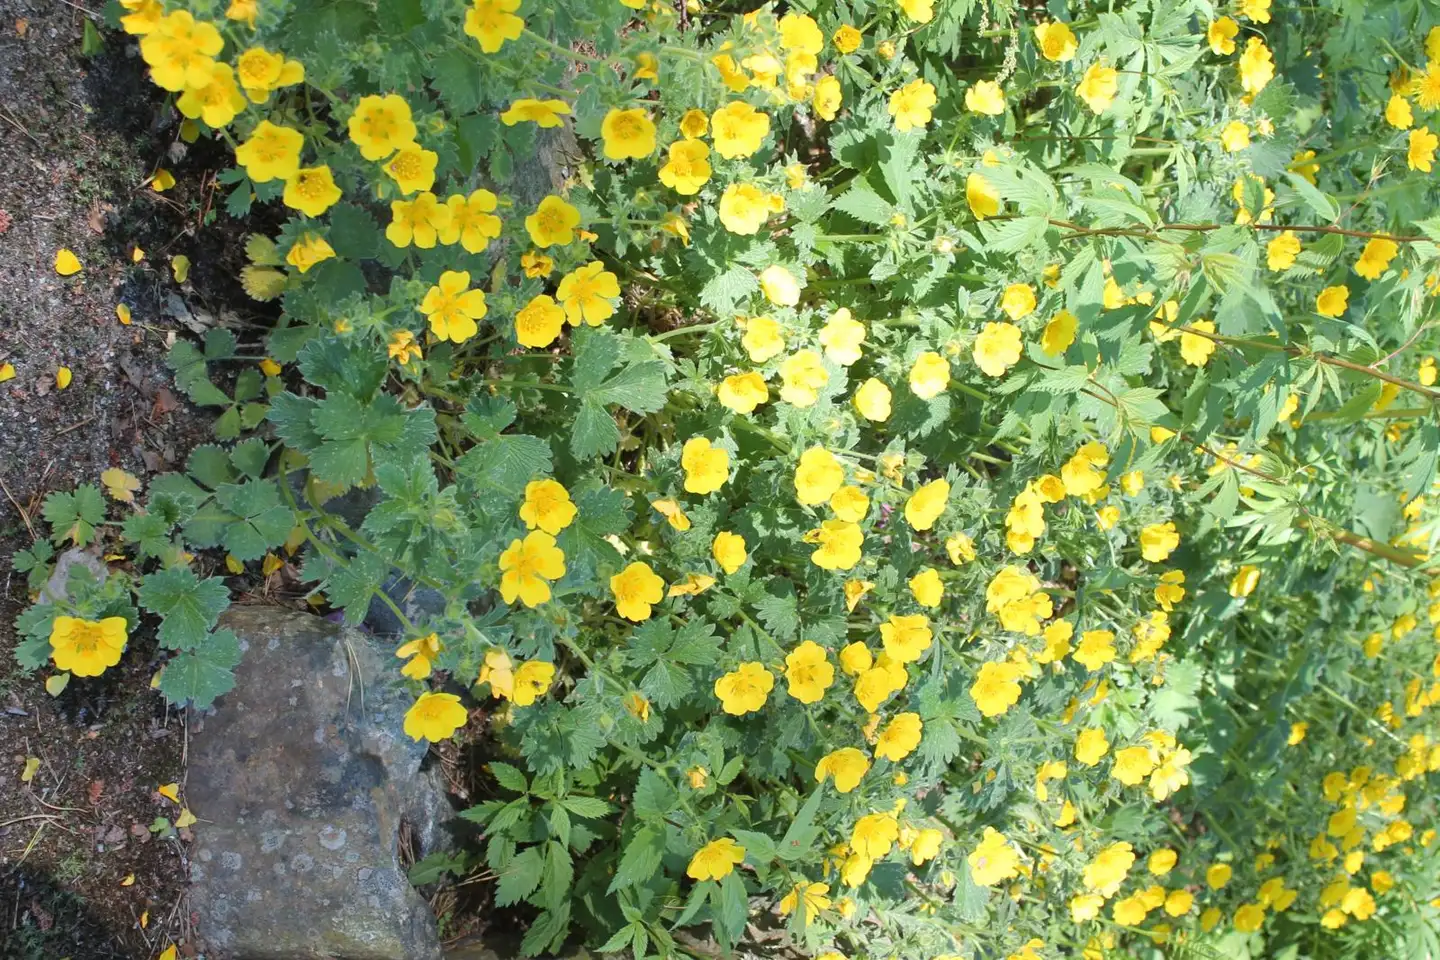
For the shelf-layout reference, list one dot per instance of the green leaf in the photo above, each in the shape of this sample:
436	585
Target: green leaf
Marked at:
1325	208
864	204
353	233
509	777
593	433
559	874
188	605
654	796
263	521
723	293
74	516
592	808
641	858
200	675
802	833
520	877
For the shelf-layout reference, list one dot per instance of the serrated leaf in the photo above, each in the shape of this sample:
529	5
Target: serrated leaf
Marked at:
200	675
641	858
188	605
520	877
74	516
864	204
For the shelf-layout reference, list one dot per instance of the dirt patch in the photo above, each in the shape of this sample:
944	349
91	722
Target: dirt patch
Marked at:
80	136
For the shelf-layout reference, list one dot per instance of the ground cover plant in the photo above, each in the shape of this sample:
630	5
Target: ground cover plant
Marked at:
934	479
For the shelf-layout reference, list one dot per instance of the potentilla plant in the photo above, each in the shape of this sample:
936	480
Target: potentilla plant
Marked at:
929	479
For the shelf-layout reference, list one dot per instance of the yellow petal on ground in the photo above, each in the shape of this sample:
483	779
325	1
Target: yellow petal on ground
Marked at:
144	919
185	819
32	767
55	684
180	266
170	791
155	680
162	181
234	565
7	372
168	953
129	881
62	378
122	313
120	485
66	263
137	255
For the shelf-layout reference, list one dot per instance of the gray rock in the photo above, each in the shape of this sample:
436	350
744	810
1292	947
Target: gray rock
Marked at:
70	563
418	604
304	781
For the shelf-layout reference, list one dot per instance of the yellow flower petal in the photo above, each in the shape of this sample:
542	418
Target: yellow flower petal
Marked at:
62	378
122	313
66	263
180	265
170	791
162	181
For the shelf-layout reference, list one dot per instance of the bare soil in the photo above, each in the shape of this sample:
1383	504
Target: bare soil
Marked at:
80	868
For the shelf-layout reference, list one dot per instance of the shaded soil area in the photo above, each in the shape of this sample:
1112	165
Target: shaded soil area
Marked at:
82	872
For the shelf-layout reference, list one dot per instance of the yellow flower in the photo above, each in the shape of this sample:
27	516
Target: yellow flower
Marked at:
745	689
960	548
1195	349
472	220
308	250
547	506
855	659
1257	10
531	680
906	638
526	565
180	51
688	167
1098	87
743	392
1097	648
1235	136
1059	333
744	208
812	895
270	153
1257	66
926	845
1018	301
1427	86
927	504
738	129
539	322
1281	252
838	544
421	221
694	124
850	504
899	738
1297	733
926	587
627	134
874	835
804	375
217	102
586	293
452	307
412	167
995	689
818	476
1133	765
1221	36
921	11
779	286
1091	745
545	114
1421	152
872	401
261	72
553	223
1332	301
880	681
143	18
854	593
1107	871
985	97
997	348
1161	862
911	105
981	195
636	588
715	860
381	125
434	717
670	510
87	648
1398	113
637	706
1158	540
706	467
1217	875
1245	580
403	348
1056	41
498	671
809	673
994	860
847	39
728	550
826	97
492	22
311	190
842	336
